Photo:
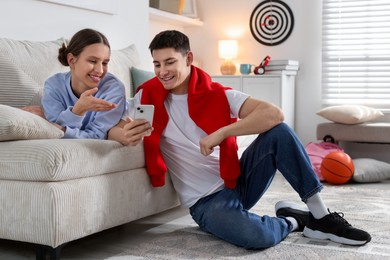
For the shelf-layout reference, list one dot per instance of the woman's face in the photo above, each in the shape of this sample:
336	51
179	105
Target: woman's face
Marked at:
89	68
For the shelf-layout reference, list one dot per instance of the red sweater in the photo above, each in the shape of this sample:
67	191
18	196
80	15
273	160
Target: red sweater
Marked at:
204	98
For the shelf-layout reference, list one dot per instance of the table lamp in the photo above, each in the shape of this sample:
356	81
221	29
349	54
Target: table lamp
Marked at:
227	50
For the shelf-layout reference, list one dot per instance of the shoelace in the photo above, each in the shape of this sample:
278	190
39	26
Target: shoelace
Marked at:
339	218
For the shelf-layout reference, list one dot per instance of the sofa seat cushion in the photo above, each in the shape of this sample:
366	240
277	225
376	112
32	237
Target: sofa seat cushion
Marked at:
65	159
376	132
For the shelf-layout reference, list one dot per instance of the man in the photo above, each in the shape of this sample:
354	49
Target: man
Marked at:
193	139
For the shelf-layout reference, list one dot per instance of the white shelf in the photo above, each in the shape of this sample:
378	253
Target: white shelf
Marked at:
167	17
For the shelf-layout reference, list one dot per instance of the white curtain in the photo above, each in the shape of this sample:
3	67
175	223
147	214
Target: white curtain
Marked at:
356	52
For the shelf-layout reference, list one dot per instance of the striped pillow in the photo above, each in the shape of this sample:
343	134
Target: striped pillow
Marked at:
24	67
17	124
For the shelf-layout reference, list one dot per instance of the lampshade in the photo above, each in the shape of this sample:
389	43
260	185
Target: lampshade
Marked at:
227	49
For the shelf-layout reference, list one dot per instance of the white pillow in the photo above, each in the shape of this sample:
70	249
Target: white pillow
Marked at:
350	114
121	62
17	124
24	67
370	170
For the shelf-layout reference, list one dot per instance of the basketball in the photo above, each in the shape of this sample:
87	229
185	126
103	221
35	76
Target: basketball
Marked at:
337	168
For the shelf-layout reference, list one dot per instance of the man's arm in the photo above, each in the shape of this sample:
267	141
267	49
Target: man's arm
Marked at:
257	116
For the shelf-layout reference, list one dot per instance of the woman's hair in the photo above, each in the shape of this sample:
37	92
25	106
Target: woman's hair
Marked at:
79	41
170	39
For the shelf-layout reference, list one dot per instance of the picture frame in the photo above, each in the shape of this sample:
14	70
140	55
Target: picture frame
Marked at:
190	9
101	6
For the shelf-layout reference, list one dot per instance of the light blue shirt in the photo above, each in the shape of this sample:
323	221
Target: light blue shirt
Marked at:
58	100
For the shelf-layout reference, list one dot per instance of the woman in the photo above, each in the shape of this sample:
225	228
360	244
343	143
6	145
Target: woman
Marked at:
88	100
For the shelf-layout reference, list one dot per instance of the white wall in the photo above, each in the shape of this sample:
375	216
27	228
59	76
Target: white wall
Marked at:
229	19
37	21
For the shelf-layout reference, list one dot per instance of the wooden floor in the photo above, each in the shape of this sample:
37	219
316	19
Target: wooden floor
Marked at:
116	240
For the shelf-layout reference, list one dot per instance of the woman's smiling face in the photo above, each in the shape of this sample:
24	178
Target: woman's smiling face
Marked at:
173	69
89	68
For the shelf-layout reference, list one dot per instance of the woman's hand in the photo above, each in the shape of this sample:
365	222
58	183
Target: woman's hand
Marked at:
130	132
87	102
36	110
62	128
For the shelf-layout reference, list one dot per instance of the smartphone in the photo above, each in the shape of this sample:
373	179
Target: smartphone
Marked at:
144	112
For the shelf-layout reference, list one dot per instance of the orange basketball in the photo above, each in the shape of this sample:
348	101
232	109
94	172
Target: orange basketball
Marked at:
337	168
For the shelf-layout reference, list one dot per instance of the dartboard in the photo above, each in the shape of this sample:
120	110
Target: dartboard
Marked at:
271	22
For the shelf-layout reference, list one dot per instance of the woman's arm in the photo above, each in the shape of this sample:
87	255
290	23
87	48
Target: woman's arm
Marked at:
130	132
89	116
36	110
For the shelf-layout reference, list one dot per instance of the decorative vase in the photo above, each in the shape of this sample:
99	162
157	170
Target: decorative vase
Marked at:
182	3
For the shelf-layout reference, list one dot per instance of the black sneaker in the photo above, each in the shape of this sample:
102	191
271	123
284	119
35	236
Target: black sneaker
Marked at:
335	228
290	209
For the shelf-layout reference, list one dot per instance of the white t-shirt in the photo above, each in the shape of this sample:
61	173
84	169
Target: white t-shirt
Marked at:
193	175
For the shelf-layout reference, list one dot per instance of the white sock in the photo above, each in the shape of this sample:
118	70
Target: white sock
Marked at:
293	222
317	206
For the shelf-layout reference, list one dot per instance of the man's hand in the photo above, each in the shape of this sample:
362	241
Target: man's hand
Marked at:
87	102
208	143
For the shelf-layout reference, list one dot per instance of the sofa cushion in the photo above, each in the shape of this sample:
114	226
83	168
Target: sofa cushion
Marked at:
120	64
139	76
17	124
66	159
370	170
371	132
350	114
24	67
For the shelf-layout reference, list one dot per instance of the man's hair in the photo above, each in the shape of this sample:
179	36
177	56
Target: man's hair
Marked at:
170	39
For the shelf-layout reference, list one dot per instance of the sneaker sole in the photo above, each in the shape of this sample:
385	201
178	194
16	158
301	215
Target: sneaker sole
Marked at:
292	205
307	232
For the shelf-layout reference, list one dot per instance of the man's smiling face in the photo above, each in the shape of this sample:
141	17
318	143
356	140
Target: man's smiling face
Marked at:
173	69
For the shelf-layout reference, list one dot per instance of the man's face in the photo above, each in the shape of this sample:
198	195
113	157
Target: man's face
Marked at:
173	69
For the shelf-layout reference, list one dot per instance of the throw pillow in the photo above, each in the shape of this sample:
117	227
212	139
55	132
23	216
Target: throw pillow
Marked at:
24	67
139	76
370	170
121	62
350	114
17	124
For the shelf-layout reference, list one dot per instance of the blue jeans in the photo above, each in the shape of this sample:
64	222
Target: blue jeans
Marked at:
225	213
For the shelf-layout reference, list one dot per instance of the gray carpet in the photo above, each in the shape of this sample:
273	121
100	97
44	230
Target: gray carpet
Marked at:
364	208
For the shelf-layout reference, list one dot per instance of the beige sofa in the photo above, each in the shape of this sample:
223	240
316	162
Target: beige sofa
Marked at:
55	190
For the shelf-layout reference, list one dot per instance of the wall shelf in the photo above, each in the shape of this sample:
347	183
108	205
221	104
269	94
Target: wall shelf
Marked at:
167	17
